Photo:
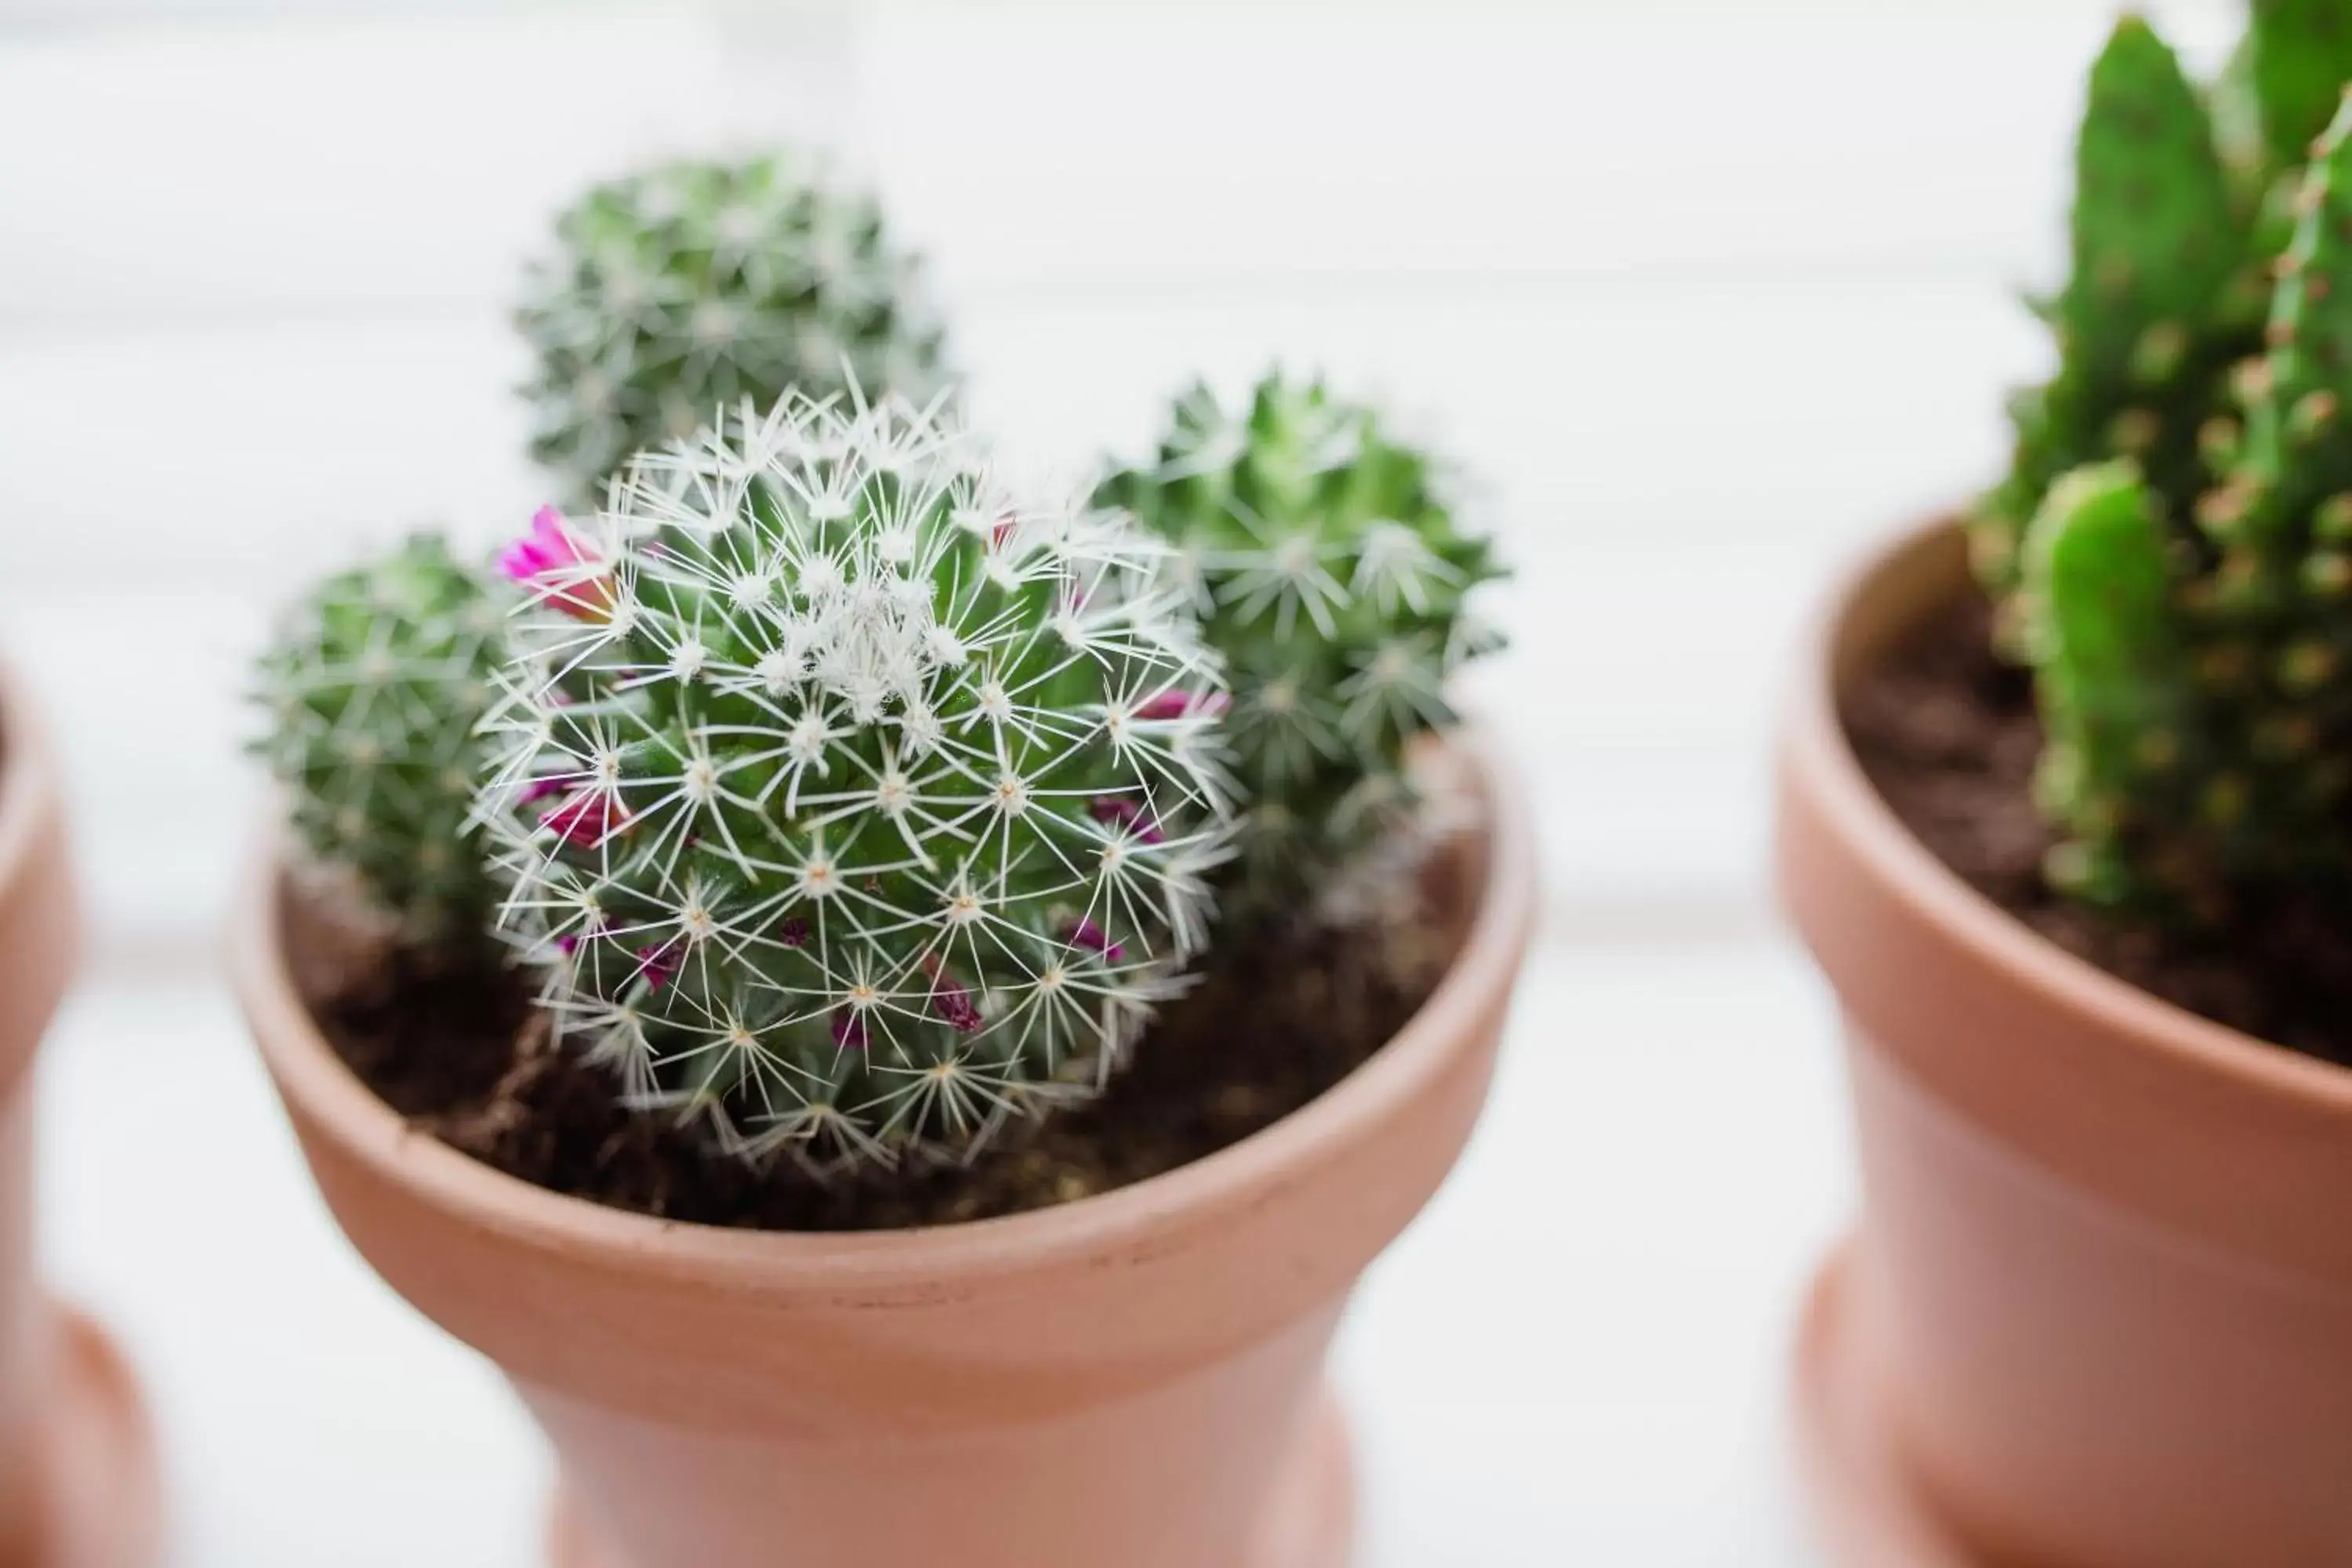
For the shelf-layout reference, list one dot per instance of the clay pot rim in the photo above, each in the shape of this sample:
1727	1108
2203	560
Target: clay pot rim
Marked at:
1235	1179
28	783
1879	841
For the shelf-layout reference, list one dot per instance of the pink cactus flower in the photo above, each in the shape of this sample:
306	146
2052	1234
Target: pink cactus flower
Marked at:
794	932
950	1000
561	567
588	819
657	965
538	789
848	1029
1089	935
1117	811
1176	703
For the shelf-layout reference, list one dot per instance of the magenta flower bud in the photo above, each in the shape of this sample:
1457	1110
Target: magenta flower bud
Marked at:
587	820
950	1000
794	932
657	965
848	1029
561	567
1088	934
1117	811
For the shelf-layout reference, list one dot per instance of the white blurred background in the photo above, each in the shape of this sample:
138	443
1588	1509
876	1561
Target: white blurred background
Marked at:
1710	293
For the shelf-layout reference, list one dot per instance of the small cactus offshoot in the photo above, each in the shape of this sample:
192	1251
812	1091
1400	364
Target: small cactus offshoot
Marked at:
858	805
1333	576
691	288
373	687
2189	623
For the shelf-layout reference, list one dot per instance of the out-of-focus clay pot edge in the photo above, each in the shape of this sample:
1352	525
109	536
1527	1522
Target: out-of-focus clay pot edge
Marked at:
2078	1075
1818	747
1479	979
107	1490
35	891
1868	1512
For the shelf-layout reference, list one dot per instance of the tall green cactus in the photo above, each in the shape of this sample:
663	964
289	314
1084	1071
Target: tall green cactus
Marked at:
2156	311
2189	651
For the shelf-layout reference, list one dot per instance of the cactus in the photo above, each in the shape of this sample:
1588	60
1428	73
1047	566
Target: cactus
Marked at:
690	288
2156	311
373	688
2298	57
2188	663
2117	701
1328	563
857	806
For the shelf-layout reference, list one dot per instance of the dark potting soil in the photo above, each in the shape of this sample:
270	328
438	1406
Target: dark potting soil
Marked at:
454	1042
1949	734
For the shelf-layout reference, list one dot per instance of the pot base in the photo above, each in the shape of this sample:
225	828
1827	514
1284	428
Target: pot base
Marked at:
1866	1512
105	1491
1311	1524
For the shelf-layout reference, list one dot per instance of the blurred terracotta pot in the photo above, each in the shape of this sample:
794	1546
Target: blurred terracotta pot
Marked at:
78	1484
2098	1313
1133	1380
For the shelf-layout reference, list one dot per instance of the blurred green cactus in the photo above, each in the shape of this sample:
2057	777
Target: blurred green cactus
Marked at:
2156	310
373	687
679	293
2172	552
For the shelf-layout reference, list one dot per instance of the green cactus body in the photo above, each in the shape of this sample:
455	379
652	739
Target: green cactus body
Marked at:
2113	679
2277	611
373	688
2217	650
857	806
1335	581
691	288
2157	308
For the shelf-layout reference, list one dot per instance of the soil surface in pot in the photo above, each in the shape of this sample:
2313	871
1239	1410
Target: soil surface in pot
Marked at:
1947	733
455	1043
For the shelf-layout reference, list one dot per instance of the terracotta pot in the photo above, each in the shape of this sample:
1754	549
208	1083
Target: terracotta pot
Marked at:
1135	1379
77	1477
2100	1302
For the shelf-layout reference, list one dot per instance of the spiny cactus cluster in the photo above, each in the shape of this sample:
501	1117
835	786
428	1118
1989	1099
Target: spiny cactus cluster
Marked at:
856	805
1332	575
2173	550
373	688
694	286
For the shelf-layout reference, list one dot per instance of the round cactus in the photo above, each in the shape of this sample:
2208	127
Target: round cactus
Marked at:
374	686
691	288
1334	578
856	805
